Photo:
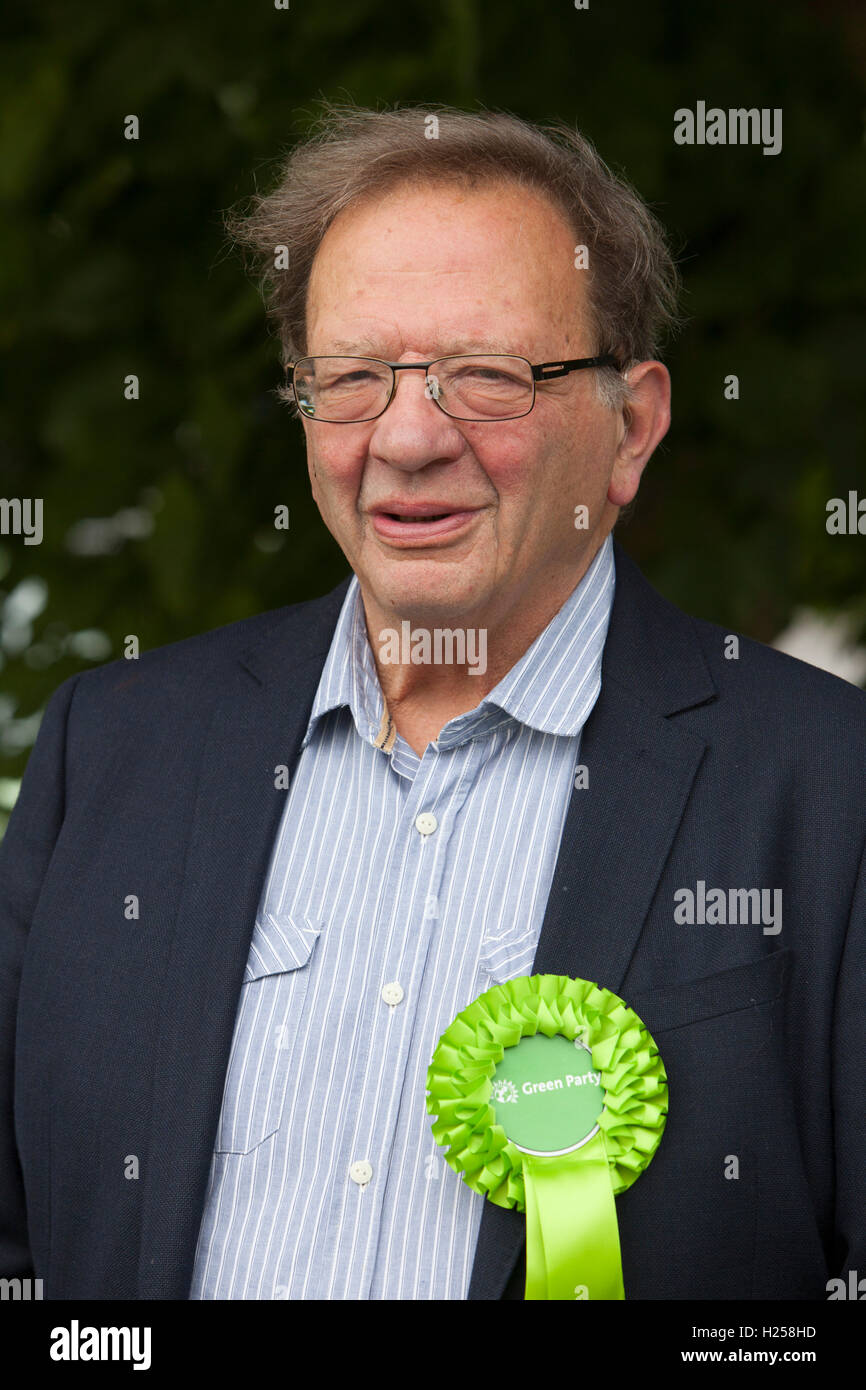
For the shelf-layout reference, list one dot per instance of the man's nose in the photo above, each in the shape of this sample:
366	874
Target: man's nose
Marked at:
413	431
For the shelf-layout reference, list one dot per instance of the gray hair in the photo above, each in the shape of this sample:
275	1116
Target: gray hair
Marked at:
355	153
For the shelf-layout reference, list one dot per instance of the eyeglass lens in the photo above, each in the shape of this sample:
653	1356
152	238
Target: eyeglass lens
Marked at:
475	387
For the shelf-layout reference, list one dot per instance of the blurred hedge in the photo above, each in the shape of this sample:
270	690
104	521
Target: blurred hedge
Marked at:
158	513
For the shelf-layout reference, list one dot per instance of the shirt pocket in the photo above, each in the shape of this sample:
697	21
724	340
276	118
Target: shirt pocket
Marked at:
506	954
271	1002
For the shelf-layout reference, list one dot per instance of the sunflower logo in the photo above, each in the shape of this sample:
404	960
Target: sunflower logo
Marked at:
504	1093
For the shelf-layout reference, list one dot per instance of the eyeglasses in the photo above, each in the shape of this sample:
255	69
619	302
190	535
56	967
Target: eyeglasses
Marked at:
474	386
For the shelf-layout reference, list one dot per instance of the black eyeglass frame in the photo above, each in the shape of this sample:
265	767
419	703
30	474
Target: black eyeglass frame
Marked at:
541	371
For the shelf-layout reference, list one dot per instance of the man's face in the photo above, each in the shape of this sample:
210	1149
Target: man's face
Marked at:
422	273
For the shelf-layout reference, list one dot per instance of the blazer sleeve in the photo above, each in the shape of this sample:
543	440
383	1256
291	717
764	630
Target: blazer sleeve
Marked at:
25	852
849	1092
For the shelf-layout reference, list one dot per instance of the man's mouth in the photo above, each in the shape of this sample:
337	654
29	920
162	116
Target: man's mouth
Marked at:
417	525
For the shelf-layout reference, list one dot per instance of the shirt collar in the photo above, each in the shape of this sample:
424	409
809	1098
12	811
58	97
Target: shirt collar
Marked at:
552	688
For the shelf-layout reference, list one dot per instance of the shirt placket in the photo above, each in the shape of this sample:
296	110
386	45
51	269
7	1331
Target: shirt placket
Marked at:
412	882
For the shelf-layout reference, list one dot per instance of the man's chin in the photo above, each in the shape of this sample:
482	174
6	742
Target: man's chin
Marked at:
430	604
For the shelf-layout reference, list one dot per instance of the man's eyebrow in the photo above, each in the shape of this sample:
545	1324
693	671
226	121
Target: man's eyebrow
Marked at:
365	347
359	345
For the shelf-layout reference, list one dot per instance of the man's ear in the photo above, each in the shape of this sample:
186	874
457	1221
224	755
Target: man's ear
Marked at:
646	417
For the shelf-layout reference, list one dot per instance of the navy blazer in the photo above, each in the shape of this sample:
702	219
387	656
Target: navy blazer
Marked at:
155	777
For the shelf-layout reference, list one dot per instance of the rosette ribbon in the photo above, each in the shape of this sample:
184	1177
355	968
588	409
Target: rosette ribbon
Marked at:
572	1234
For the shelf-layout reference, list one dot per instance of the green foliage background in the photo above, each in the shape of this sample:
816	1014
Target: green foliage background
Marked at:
113	261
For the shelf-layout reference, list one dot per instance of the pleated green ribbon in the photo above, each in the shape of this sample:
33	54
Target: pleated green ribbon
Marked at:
572	1233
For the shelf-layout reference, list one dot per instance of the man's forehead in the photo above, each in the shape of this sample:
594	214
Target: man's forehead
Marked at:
502	199
468	287
496	233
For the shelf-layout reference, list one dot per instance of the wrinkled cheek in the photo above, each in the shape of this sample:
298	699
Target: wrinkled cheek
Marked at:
335	492
340	468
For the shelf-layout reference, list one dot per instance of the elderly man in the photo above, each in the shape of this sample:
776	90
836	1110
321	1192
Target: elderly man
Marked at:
253	876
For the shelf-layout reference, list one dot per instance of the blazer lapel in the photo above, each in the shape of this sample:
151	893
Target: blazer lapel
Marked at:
258	725
618	830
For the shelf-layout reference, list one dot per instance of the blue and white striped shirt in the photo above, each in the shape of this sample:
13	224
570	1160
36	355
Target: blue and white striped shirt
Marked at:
399	889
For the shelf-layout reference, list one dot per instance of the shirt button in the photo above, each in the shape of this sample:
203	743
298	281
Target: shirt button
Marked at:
393	993
426	822
361	1172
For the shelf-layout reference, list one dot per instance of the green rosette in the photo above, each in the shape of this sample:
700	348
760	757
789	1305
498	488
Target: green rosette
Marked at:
572	1235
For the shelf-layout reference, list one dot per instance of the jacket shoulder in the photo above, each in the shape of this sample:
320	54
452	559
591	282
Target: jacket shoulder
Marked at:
772	681
194	663
677	652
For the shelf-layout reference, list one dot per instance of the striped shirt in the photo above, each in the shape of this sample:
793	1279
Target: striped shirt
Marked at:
399	888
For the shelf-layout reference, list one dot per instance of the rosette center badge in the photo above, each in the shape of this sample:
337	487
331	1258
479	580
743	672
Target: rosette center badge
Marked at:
547	1096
